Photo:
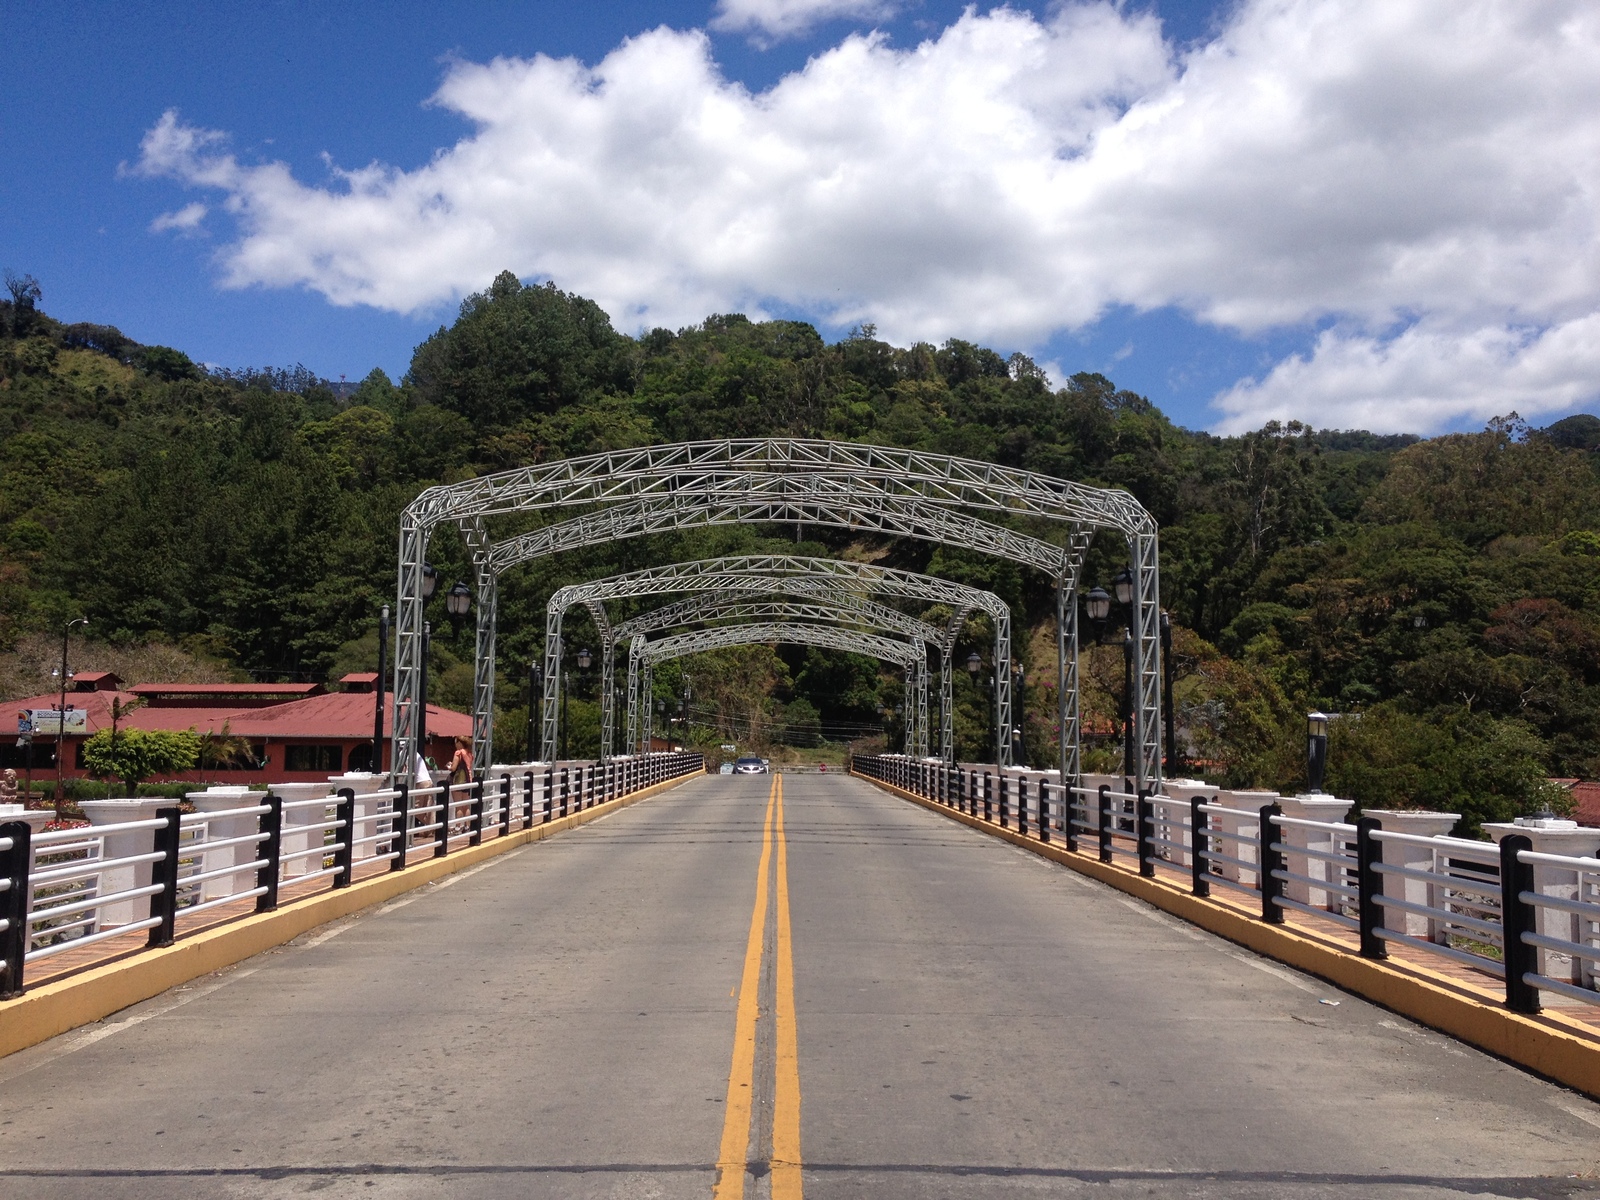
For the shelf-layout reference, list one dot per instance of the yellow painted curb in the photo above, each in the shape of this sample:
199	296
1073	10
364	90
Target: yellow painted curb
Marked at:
96	993
1553	1045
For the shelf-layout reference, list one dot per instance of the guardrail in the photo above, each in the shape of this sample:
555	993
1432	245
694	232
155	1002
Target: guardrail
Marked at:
1531	919
64	891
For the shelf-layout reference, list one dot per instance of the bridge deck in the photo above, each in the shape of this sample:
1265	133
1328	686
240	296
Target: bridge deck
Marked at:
971	1021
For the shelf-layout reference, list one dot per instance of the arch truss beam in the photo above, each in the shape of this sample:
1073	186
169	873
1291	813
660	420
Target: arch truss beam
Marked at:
882	489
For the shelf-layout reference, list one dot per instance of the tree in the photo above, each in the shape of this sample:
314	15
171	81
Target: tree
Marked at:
25	296
135	755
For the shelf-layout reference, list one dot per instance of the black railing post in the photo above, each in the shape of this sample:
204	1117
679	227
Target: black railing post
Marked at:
1270	862
344	858
401	824
1005	801
988	796
1369	887
1044	810
1518	917
14	906
1199	847
549	794
527	799
164	874
1104	799
1145	831
1022	805
475	812
505	805
270	853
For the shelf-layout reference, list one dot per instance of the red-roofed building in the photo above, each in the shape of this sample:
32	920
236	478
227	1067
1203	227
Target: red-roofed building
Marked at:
297	732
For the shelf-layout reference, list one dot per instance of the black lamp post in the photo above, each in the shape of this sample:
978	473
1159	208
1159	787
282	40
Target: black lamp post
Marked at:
1019	712
974	667
1316	750
61	712
535	704
458	603
382	690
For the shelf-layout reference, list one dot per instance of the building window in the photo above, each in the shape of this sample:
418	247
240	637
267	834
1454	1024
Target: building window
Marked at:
361	756
313	758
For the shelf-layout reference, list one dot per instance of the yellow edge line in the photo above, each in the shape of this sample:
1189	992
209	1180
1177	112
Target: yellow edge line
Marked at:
1550	1044
786	1093
53	1008
731	1156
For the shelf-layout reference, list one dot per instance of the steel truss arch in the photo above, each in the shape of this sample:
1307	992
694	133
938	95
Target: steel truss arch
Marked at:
879	488
845	608
912	656
793	575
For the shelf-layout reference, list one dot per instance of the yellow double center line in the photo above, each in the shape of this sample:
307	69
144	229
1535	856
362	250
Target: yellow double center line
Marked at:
733	1157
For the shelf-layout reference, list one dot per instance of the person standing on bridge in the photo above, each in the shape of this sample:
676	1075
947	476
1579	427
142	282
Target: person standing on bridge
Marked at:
461	762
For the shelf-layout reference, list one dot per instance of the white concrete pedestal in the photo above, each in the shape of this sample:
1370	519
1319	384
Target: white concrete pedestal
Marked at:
1572	840
221	799
1248	804
1181	792
1416	858
1329	810
123	845
363	784
34	818
296	834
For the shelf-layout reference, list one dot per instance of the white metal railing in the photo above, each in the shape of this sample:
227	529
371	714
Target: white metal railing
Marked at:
101	883
1441	896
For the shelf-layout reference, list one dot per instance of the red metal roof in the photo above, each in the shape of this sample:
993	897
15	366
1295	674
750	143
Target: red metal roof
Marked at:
332	716
239	695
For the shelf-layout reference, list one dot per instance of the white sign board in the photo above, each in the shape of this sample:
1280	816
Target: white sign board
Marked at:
48	720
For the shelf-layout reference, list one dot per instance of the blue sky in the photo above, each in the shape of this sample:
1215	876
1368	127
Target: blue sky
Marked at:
1121	199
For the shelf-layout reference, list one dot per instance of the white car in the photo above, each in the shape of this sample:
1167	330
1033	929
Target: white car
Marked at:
751	765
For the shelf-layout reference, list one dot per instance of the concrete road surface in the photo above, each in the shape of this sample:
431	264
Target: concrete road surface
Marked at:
840	994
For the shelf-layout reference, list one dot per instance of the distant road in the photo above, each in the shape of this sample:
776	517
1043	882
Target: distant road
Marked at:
612	1011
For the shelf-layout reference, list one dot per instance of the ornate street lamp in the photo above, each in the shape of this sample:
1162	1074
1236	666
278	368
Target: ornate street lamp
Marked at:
584	659
1316	750
430	581
1098	605
1122	585
974	664
458	603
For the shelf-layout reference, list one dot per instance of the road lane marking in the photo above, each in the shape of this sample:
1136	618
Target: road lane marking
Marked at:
729	1183
786	1099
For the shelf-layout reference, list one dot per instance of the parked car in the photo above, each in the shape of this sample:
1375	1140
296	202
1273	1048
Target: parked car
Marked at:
749	764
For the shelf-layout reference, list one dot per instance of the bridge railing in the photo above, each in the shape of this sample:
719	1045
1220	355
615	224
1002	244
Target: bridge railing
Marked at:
72	898
1530	919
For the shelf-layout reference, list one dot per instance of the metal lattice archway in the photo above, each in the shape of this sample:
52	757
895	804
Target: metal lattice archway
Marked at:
907	493
792	575
843	608
911	656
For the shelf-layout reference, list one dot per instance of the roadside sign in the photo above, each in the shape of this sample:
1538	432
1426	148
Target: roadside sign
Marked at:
48	720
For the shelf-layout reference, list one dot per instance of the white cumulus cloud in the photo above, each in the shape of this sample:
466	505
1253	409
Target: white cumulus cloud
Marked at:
1417	175
790	18
184	220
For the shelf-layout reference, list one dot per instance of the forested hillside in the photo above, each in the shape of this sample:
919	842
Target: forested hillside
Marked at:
1445	590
